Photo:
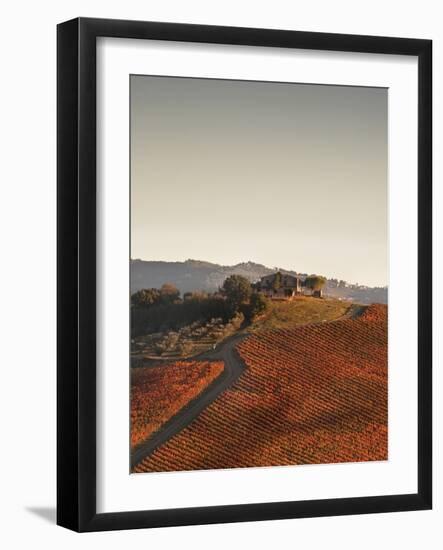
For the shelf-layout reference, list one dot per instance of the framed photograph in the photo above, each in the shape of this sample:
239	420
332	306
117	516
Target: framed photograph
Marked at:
244	274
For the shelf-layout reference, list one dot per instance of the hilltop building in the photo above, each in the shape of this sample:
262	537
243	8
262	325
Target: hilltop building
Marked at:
279	286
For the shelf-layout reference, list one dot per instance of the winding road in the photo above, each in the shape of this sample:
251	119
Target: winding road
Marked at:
234	367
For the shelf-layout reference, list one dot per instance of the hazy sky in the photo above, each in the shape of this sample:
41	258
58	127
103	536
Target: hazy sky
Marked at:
286	175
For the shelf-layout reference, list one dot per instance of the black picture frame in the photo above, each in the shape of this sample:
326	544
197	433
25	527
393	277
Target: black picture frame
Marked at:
76	294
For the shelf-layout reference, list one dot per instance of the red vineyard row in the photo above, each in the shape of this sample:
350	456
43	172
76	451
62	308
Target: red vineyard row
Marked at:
159	392
311	394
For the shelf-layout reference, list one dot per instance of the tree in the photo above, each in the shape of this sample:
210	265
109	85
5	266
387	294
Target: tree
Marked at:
315	282
198	295
237	290
145	297
276	284
258	304
169	293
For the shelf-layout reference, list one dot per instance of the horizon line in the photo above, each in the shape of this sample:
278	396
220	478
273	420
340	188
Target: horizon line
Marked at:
276	268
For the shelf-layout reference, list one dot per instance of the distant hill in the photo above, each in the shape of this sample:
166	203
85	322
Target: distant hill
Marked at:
193	275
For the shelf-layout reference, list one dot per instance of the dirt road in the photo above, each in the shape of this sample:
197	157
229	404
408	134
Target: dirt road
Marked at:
234	367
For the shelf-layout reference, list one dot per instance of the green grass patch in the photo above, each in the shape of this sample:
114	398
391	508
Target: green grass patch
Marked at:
301	311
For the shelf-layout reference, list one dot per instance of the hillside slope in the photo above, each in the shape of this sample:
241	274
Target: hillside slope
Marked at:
311	394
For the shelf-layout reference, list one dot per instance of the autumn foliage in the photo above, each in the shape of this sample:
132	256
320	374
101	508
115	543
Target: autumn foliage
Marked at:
310	394
159	392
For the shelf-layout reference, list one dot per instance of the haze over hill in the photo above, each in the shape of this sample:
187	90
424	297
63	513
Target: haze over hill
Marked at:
193	275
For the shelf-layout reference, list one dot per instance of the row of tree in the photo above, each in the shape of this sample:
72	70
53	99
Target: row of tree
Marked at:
148	297
159	309
237	291
163	309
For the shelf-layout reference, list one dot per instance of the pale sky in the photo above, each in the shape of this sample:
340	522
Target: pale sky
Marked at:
287	175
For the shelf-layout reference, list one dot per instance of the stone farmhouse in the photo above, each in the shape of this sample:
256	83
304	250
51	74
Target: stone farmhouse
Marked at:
279	286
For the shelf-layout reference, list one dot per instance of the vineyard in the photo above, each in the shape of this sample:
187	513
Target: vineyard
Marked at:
309	394
157	393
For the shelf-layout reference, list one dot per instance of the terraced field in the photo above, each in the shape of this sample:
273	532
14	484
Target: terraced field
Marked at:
310	394
187	342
